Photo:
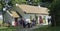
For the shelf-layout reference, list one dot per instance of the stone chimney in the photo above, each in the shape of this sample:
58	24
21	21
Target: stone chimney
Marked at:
39	5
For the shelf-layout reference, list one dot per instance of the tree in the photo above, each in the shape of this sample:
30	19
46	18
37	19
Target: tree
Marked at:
5	5
55	12
33	2
46	0
36	2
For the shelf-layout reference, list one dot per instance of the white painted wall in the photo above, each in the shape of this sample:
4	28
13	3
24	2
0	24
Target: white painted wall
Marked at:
46	17
27	16
1	18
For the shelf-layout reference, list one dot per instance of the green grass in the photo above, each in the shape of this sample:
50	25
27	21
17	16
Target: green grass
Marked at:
9	28
1	21
3	28
45	28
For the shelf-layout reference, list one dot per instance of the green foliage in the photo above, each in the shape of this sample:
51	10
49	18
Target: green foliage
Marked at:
55	7
55	10
36	2
46	0
24	1
0	6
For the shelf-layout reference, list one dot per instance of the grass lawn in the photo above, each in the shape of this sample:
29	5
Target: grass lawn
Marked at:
1	21
9	28
3	28
45	28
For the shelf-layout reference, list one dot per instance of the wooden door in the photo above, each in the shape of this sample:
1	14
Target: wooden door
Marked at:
40	19
16	21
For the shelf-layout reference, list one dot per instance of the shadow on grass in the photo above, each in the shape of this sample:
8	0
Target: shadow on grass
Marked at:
46	28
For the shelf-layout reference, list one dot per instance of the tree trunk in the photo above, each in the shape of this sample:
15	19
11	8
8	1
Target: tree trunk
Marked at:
53	21
57	20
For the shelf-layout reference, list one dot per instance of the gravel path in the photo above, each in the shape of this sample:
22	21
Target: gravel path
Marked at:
29	29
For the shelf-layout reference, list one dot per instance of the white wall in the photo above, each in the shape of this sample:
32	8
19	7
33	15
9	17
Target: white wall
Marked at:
45	22
27	16
1	18
8	18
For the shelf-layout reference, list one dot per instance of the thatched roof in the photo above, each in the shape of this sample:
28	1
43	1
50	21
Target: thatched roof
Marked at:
33	9
13	13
